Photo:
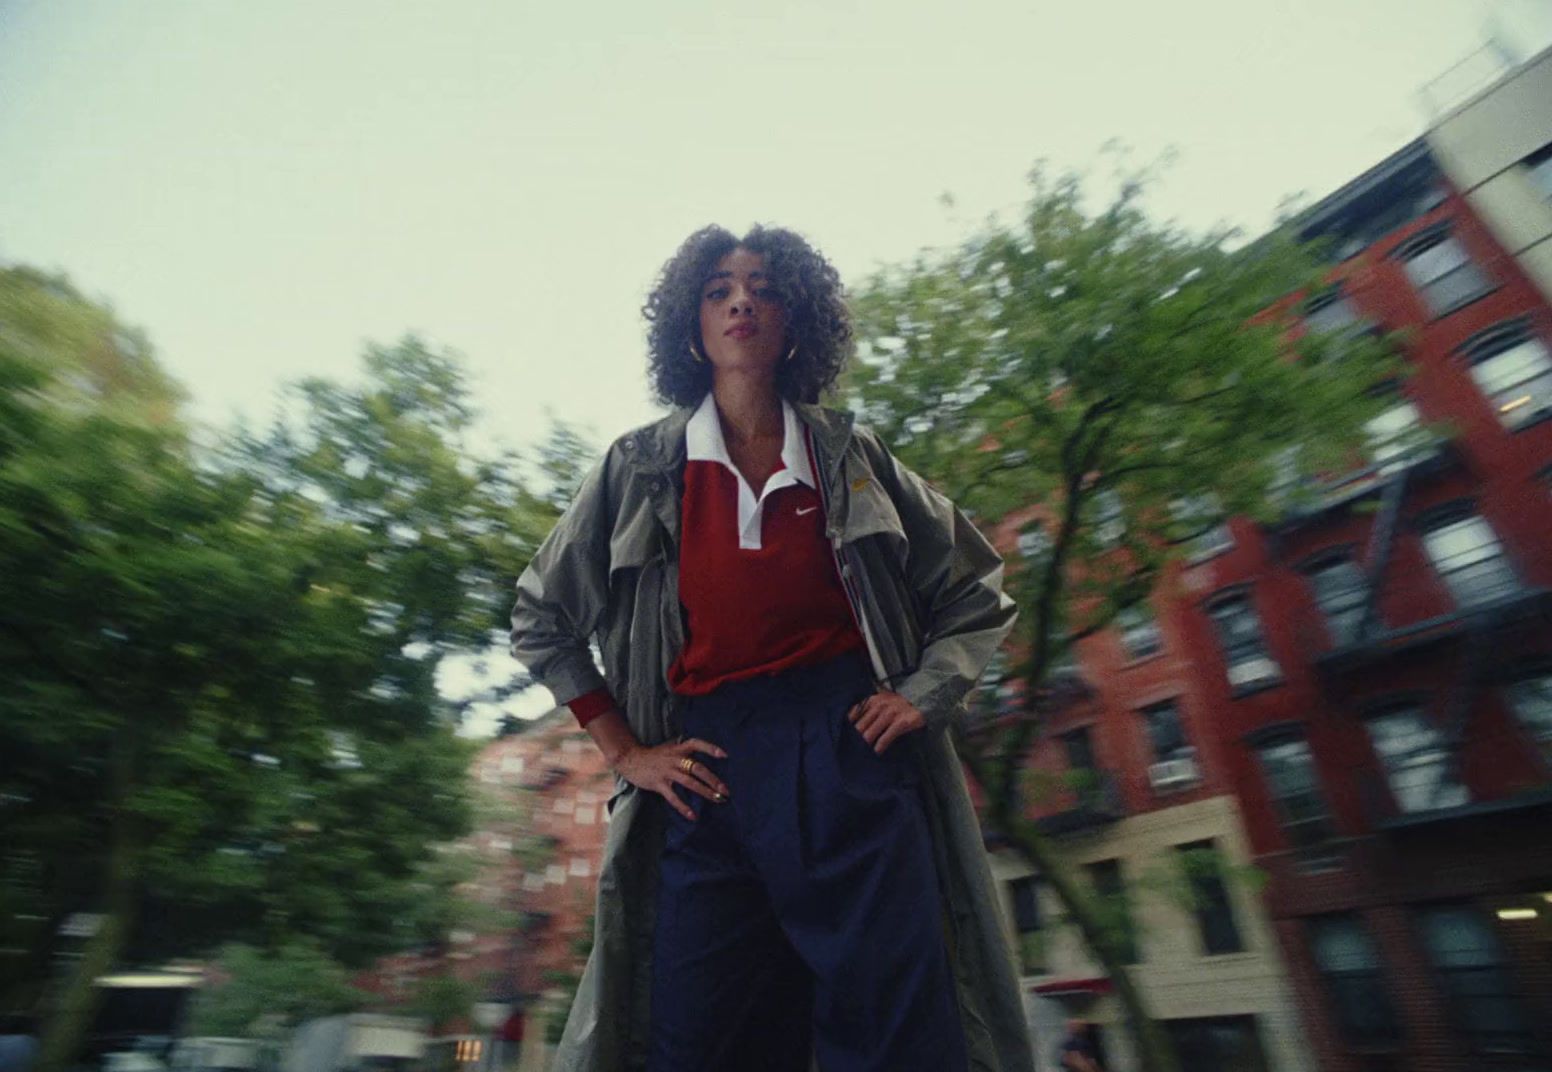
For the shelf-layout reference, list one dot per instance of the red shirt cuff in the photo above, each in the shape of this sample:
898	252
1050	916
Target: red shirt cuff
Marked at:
590	705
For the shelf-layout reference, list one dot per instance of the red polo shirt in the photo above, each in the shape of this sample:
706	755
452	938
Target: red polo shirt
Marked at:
756	576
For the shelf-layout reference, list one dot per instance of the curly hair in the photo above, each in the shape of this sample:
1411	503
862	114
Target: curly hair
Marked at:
810	290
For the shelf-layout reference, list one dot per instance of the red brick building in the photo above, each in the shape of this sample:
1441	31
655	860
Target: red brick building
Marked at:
541	798
1367	685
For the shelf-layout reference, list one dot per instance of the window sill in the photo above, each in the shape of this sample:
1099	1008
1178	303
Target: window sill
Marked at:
1434	318
1196	558
1239	692
1143	660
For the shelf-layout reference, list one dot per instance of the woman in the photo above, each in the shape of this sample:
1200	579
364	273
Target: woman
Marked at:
788	620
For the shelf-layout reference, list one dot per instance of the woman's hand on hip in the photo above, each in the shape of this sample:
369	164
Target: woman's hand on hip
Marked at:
884	718
660	768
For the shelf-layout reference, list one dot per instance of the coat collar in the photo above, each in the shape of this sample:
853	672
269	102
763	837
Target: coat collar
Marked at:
660	445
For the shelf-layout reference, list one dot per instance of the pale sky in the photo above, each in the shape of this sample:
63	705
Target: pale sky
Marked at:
263	186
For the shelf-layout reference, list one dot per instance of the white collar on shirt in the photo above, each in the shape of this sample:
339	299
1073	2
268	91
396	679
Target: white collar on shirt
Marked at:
704	443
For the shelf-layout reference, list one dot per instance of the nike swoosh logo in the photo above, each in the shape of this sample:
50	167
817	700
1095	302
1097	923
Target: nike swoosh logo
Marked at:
810	510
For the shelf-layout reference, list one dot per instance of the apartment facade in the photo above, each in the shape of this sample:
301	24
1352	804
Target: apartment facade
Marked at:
1134	783
1365	688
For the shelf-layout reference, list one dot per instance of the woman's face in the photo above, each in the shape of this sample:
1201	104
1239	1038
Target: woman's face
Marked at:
743	322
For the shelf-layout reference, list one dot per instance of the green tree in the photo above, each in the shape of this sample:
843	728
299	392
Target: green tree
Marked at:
1120	386
221	720
262	989
442	1000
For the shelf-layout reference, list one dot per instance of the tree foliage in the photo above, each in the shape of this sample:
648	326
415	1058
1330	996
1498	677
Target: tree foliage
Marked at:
441	1000
260	991
1115	385
221	721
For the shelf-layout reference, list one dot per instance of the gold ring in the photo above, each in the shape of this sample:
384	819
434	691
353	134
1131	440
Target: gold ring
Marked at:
687	764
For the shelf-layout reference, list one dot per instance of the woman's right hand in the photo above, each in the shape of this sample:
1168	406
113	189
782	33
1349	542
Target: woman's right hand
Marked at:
660	768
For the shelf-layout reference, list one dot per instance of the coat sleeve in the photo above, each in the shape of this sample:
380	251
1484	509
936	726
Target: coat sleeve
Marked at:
562	595
956	577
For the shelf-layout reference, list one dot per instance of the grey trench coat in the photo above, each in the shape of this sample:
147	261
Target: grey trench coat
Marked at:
928	590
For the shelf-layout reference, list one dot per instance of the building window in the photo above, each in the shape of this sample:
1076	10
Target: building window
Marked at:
1109	517
1239	634
997	696
1341	593
1469	559
1349	966
1511	366
1466	955
1395	436
1165	733
1442	272
1139	632
1033	543
1416	760
1027	922
1200	519
1115	908
1332	313
1204	874
581	867
1289	769
1079	746
1531	699
1538	168
1217	1042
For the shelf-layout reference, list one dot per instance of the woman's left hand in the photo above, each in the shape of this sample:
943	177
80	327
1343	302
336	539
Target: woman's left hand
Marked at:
884	718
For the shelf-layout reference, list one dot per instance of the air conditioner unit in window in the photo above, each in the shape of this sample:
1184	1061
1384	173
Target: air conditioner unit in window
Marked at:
1174	774
1253	670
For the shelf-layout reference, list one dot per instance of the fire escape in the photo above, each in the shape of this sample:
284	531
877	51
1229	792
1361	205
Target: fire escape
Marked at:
1481	635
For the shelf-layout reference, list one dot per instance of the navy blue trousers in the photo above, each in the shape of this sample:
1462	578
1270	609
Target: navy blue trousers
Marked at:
803	914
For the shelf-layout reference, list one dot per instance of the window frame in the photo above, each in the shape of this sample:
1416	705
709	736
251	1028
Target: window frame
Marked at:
1217	922
1208	542
1028	923
1457	998
1541	741
1246	650
1325	561
1432	522
1400	448
1374	975
1409	252
1395	766
1108	521
1185	749
1492	343
1334	295
1309	848
1116	901
1144	621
